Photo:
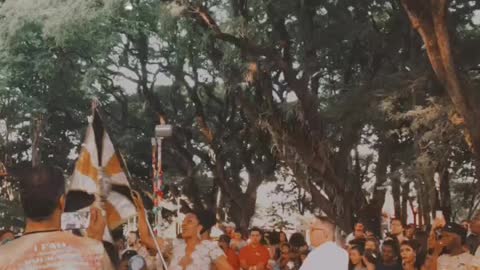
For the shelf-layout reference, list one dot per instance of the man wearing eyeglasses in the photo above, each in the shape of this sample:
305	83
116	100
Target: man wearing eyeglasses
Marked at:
326	255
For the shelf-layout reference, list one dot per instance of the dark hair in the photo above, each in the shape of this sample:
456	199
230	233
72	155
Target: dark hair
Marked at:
411	243
297	240
255	229
422	238
206	218
285	245
393	244
40	189
416	247
224	238
112	253
358	242
360	250
397	219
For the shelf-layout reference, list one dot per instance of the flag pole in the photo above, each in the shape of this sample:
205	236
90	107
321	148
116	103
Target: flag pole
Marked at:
156	243
161	131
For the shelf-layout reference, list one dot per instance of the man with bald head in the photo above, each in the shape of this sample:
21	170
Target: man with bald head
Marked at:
326	255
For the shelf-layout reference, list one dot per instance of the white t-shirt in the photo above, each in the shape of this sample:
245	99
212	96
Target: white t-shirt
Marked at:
327	256
349	238
203	257
464	261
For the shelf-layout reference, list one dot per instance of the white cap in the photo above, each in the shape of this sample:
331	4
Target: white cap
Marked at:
230	224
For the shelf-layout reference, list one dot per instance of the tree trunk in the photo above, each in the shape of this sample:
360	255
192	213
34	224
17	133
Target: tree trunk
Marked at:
429	18
420	211
405	199
445	198
37	140
242	214
424	197
379	191
396	196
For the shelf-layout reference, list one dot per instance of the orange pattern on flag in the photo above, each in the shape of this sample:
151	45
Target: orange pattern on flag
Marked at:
113	217
113	166
85	167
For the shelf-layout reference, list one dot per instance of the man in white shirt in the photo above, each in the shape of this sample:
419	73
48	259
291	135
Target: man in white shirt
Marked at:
326	255
455	258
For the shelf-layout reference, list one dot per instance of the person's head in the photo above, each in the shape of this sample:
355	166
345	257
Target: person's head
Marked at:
283	237
475	224
285	251
396	226
371	244
224	241
359	230
6	236
133	238
408	252
255	236
410	231
197	223
297	240
453	236
389	251
42	191
356	255
322	230
466	224
229	228
238	235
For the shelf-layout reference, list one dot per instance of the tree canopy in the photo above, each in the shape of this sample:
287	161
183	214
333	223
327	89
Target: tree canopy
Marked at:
347	98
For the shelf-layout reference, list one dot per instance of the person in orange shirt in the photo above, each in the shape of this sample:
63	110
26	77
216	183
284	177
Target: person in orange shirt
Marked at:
232	257
255	256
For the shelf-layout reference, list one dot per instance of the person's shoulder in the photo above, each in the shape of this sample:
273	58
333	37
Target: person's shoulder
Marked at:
79	240
467	256
210	244
8	248
332	249
230	253
444	258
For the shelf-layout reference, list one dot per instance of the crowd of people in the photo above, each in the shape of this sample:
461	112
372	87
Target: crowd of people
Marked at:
44	245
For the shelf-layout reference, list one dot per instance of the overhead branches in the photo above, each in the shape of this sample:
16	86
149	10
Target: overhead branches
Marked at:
429	18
